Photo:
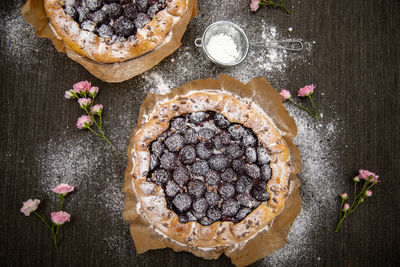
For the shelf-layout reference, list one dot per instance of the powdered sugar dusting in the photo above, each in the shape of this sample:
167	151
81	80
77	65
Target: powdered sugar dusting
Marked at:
316	141
78	159
18	38
157	84
190	62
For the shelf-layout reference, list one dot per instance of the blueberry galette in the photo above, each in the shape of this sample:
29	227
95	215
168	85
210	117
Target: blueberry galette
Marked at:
209	170
109	31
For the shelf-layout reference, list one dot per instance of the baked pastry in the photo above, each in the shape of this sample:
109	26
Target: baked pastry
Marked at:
209	171
109	31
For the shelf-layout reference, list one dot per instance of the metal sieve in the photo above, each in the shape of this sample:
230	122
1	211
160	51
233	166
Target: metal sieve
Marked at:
240	39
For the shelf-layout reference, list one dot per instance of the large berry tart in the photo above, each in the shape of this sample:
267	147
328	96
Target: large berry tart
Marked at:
109	31
209	170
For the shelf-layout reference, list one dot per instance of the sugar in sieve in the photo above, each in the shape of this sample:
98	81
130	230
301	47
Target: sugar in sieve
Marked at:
241	42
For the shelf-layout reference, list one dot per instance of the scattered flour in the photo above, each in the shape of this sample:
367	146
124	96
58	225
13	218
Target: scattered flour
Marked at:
18	39
190	62
77	160
156	83
316	141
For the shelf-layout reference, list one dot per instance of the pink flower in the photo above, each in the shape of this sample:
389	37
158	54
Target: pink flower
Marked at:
368	176
285	94
93	91
306	90
97	109
69	94
344	196
346	206
84	122
60	217
29	206
63	189
84	102
368	193
254	5
81	87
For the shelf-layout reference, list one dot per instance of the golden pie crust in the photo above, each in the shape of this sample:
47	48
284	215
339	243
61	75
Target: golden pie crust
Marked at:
151	203
90	45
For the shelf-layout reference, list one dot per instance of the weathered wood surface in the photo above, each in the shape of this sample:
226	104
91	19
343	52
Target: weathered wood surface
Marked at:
355	61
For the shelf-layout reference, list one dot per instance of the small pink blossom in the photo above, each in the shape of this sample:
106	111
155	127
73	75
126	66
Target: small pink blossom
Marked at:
285	94
29	206
346	206
93	91
344	196
368	193
69	94
364	174
63	189
81	87
84	102
254	5
60	217
306	90
97	109
84	122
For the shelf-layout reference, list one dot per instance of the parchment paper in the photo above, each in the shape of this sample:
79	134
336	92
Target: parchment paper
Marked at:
265	242
33	12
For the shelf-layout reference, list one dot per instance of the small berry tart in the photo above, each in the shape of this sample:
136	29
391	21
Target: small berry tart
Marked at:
110	31
209	170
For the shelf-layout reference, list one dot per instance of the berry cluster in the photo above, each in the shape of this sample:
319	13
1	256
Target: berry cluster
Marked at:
210	169
114	19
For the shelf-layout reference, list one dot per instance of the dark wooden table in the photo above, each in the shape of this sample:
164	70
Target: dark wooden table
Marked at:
352	54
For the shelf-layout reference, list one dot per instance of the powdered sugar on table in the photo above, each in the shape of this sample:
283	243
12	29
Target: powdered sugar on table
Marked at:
76	157
319	188
190	62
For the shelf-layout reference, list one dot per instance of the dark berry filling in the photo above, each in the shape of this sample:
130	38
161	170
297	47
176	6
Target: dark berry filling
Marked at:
210	169
113	19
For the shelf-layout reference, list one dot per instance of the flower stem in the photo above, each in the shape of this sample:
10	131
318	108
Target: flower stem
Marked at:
43	220
92	117
355	187
91	104
338	225
105	138
303	108
312	102
271	3
61	202
352	210
359	194
54	236
358	199
98	126
340	210
99	135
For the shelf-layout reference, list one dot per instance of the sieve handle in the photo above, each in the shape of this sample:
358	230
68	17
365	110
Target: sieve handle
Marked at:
198	42
285	45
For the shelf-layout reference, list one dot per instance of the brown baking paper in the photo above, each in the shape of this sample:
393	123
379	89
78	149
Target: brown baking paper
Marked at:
265	242
33	12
